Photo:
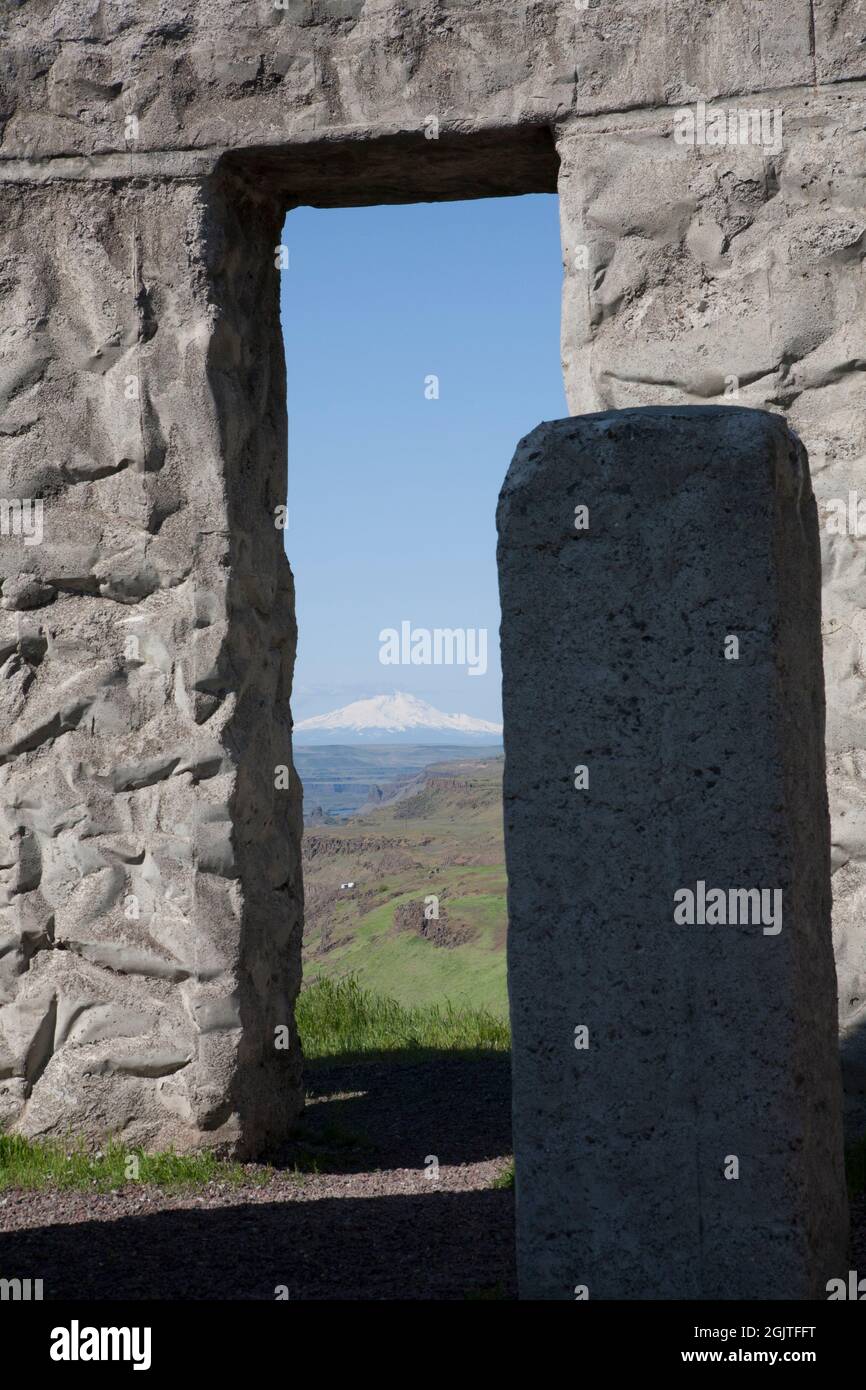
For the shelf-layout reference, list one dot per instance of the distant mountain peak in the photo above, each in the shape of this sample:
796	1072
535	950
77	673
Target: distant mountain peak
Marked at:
387	716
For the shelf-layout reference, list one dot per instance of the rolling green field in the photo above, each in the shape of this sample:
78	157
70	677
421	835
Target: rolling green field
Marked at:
444	839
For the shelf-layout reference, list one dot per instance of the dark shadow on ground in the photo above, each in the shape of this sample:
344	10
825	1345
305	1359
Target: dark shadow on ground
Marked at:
393	1113
322	1237
436	1245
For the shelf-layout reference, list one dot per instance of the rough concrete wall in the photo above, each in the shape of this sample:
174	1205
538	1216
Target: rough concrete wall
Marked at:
150	868
330	101
706	1043
241	73
710	270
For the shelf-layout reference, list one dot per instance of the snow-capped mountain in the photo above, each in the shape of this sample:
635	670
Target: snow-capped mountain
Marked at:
398	718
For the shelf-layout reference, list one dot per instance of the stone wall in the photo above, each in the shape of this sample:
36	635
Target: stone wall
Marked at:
150	865
698	274
147	153
241	73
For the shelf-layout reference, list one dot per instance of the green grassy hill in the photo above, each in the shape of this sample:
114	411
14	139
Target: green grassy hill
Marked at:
442	838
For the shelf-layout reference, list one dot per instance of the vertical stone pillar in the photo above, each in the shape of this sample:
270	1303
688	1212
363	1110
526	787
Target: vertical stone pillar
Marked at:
150	914
677	1104
733	273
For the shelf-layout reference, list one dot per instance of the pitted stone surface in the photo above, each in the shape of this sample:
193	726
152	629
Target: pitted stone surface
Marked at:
705	1043
131	137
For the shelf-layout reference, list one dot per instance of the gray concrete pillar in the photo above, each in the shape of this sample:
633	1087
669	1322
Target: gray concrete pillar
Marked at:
677	1102
150	883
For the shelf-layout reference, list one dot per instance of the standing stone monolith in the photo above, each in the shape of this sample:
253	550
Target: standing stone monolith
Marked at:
677	1098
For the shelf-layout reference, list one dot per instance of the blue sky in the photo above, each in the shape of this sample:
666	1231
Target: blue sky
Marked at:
392	496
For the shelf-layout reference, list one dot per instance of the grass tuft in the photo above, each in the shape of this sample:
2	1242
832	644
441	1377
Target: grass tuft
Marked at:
338	1018
504	1181
31	1165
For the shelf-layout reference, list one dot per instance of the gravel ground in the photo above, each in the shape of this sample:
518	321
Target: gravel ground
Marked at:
369	1224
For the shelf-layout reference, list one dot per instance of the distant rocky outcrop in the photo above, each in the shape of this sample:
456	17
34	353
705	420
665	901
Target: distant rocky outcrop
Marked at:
438	930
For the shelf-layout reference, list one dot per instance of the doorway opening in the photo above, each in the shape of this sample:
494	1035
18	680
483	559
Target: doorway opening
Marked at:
421	341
